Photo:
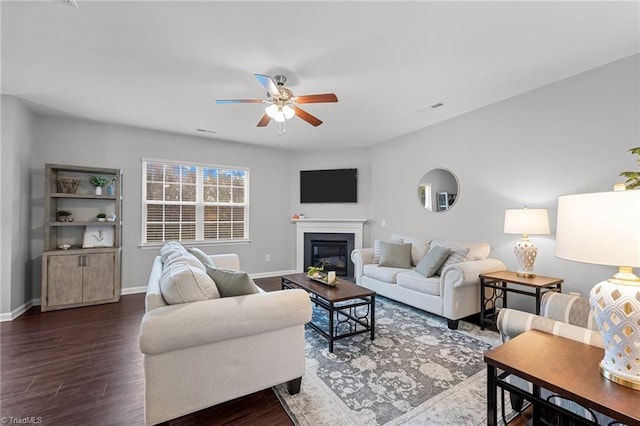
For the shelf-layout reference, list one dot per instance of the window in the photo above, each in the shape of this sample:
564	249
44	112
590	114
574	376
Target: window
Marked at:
193	202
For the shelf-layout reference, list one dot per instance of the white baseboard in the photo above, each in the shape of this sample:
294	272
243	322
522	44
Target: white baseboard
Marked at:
271	274
10	316
134	290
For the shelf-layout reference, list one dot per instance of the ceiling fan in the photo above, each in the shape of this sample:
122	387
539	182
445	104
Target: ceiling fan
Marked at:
283	105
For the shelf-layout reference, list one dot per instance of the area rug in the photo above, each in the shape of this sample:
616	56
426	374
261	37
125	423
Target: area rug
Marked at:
415	372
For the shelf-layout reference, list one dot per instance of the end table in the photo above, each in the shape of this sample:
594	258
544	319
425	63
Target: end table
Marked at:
499	283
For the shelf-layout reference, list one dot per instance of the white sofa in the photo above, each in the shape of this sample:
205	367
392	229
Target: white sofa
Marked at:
454	294
207	352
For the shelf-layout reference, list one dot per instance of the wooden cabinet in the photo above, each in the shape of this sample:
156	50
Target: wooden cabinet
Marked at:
75	272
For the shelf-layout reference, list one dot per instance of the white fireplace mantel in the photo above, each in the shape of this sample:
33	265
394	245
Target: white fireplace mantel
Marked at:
336	226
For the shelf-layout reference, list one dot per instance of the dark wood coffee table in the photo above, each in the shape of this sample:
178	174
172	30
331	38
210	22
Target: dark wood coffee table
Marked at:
567	368
342	303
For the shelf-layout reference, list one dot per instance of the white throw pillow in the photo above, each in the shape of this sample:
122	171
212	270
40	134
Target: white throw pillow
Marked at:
185	257
169	248
181	283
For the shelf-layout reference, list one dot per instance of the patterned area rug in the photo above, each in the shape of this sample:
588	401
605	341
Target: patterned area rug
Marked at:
415	372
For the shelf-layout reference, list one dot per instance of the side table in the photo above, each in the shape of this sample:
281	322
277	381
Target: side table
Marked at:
564	367
499	282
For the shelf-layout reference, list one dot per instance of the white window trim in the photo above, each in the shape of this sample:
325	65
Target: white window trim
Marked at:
192	243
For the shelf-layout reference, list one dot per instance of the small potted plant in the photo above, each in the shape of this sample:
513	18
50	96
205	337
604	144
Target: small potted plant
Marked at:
101	217
98	182
633	178
64	216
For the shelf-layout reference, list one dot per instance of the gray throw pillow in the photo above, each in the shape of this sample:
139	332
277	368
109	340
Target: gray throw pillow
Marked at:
395	255
432	261
202	256
376	248
232	283
457	255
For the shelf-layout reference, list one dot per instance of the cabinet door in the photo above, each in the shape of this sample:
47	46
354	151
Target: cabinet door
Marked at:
64	280
98	276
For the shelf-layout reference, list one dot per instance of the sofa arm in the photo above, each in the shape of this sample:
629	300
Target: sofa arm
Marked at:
468	273
512	323
361	257
199	323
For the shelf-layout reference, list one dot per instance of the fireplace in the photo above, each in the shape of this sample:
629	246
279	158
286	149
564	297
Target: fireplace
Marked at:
332	251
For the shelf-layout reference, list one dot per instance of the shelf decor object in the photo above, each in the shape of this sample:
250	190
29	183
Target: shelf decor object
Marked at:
604	228
526	222
68	185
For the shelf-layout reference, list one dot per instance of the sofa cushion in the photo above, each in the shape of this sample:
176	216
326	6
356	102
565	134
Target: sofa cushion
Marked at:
376	248
232	283
395	255
382	273
185	257
432	261
419	246
182	283
201	256
169	248
456	255
415	281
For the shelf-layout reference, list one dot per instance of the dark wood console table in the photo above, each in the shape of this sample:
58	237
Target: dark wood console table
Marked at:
499	283
566	368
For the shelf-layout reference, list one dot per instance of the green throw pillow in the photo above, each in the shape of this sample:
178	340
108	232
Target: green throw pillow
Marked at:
432	261
395	255
232	283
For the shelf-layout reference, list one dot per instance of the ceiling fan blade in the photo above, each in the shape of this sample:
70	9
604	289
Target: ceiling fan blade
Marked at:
314	121
314	99
239	101
268	83
264	121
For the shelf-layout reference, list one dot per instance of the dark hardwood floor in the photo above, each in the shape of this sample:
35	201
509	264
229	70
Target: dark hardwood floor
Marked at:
83	366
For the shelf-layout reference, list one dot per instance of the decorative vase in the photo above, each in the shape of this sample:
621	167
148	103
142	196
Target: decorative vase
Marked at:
110	190
98	190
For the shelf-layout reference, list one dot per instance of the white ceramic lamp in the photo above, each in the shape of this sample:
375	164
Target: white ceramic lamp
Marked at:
604	228
526	222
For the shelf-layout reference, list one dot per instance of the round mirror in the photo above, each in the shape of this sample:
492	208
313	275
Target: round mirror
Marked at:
438	190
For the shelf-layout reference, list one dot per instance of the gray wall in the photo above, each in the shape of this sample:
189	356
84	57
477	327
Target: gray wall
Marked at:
15	209
569	137
70	141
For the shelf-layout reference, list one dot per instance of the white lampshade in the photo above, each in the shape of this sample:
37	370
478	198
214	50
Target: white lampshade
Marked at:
604	228
526	221
288	112
271	110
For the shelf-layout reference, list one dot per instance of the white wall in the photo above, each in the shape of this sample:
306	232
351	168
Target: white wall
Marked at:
15	209
569	137
80	142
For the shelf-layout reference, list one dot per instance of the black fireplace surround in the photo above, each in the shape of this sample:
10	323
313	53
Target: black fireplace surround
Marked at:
330	250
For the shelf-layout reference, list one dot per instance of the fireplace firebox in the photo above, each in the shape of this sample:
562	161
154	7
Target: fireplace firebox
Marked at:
332	251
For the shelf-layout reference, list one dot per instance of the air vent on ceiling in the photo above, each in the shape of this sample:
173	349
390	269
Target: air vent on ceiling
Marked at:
206	131
71	3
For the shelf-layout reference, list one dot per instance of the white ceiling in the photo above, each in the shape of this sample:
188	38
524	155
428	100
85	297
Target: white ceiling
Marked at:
161	65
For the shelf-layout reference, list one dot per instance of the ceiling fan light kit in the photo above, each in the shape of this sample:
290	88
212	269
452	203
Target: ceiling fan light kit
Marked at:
282	104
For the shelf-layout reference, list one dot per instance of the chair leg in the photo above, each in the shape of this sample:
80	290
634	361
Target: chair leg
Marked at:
452	324
293	386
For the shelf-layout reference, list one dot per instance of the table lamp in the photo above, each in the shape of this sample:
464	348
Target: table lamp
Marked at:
526	222
604	228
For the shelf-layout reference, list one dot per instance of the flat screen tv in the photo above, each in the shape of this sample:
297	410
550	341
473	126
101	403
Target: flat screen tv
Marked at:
329	186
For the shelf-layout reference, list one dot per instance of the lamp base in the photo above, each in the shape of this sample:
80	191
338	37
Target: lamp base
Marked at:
525	252
617	309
